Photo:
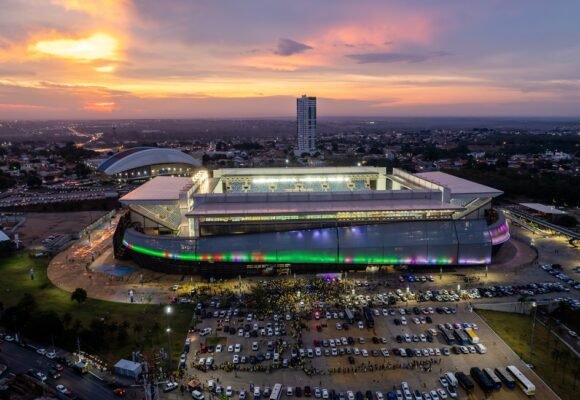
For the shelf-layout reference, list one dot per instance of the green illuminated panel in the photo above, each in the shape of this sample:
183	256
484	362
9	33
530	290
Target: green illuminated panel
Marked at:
283	257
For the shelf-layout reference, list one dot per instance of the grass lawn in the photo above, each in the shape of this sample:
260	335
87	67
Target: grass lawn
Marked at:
554	362
215	340
15	281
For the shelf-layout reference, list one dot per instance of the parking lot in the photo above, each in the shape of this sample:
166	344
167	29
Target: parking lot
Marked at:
315	345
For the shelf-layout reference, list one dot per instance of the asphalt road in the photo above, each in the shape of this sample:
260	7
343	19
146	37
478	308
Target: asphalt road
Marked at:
20	360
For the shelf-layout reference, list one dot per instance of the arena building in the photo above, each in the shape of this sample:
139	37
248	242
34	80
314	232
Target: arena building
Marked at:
144	163
240	221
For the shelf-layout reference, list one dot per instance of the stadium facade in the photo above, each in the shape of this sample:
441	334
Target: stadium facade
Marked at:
239	221
144	163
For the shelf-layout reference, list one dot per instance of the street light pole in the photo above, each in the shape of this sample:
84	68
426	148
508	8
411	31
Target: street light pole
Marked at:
168	311
535	308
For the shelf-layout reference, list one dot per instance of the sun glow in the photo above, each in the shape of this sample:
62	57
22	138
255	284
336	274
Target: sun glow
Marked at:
95	47
105	68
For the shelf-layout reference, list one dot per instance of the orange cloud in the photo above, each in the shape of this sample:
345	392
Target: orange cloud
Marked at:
100	8
96	47
105	106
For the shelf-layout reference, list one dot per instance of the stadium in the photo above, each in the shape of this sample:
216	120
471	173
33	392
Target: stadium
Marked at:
143	163
243	221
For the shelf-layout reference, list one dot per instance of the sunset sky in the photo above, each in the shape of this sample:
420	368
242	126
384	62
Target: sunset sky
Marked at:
251	58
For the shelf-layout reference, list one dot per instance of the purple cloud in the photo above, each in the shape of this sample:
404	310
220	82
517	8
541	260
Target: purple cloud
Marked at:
388	57
288	47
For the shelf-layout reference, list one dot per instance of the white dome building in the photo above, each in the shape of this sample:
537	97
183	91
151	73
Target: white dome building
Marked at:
144	163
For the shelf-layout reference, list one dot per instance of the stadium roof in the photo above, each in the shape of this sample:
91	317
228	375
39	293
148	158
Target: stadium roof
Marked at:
544	209
138	157
3	237
318	207
458	186
295	171
159	189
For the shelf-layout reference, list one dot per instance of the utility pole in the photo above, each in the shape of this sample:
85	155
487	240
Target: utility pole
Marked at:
535	308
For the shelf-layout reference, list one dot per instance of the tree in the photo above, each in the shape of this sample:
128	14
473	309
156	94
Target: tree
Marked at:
67	318
33	181
80	295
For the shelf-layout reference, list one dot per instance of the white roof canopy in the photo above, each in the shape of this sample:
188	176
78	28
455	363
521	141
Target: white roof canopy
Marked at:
158	190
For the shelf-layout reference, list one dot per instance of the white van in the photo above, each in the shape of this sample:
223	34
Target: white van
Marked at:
289	391
481	349
197	395
451	379
256	392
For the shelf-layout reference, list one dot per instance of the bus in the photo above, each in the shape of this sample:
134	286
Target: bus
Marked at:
491	375
448	336
464	381
524	383
349	316
276	392
481	379
473	338
369	317
461	337
505	377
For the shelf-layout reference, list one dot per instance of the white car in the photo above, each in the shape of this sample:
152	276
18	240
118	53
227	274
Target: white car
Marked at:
218	348
365	353
229	391
50	355
361	325
231	348
169	386
63	389
350	395
379	396
41	351
242	395
325	393
236	359
238	348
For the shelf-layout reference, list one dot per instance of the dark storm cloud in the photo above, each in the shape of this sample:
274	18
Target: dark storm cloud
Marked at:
389	57
288	47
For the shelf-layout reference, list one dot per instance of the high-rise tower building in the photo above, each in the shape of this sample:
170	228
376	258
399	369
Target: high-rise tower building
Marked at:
306	125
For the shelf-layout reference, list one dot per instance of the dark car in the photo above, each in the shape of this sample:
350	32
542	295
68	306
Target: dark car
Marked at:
375	340
298	391
359	396
397	321
399	339
351	360
307	391
429	319
369	395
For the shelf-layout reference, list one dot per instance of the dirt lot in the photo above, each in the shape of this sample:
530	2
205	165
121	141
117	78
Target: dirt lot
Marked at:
383	380
38	226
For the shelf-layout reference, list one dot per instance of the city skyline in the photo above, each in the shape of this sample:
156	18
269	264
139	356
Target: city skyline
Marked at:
109	59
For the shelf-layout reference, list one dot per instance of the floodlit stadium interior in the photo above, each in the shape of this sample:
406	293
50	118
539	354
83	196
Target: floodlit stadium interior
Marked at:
304	217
